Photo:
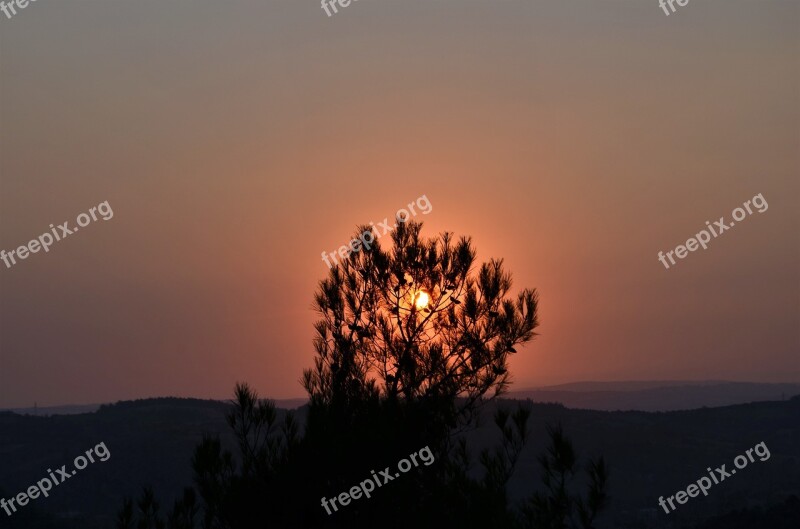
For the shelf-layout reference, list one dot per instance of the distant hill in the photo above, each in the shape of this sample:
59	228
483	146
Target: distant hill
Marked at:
650	454
625	385
657	396
650	395
69	409
76	409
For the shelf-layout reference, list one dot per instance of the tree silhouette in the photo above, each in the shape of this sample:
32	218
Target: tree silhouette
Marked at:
557	507
375	336
411	342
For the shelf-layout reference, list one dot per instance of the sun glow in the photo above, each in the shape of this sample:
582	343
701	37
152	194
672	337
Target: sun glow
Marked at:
421	299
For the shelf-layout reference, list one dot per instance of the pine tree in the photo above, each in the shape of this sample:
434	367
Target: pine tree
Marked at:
411	342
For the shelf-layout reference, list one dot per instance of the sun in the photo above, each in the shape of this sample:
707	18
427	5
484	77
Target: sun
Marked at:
421	299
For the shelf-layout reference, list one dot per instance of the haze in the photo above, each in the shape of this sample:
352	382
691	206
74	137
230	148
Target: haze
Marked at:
236	141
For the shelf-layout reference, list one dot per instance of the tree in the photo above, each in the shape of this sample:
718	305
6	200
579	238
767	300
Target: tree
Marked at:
417	323
557	508
410	343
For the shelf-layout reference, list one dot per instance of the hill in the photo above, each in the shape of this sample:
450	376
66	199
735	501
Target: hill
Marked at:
650	454
657	396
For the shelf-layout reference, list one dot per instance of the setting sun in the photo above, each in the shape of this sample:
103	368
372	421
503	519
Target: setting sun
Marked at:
421	300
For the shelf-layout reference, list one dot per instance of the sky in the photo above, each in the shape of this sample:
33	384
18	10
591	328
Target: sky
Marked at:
235	141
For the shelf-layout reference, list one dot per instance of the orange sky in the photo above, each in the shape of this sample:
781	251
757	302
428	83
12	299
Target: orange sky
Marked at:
235	141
